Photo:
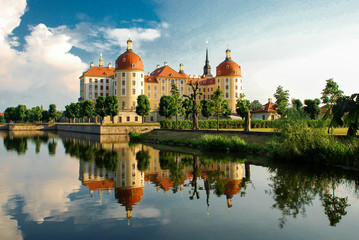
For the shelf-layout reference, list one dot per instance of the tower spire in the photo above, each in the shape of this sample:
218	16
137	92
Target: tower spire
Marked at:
207	67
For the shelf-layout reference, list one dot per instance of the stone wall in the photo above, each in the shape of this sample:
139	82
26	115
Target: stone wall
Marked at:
83	128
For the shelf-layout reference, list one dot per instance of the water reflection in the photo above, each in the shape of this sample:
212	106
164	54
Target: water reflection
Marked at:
112	170
294	188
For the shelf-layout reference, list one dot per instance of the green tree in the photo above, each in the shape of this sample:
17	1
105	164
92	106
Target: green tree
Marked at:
112	106
346	111
77	110
53	112
68	112
36	114
2	119
217	100
207	108
255	105
312	107
88	109
297	104
166	107
177	103
187	107
243	110
331	94
143	160
45	116
226	111
100	107
20	112
143	107
195	107
282	97
9	114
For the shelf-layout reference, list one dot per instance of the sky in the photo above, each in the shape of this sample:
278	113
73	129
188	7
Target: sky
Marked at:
45	46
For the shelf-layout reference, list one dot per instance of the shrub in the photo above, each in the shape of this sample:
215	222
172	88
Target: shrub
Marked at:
134	136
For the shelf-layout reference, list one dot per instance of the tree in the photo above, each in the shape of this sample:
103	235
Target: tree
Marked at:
100	108
88	109
347	107
9	114
143	160
331	94
143	106
2	119
195	107
166	107
297	104
255	105
69	111
282	97
45	116
312	107
36	114
220	107
20	112
187	107
52	112
226	111
112	106
177	103
243	110
207	108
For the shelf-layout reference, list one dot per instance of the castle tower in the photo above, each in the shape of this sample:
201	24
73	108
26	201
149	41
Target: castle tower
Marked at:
129	78
229	80
207	67
100	61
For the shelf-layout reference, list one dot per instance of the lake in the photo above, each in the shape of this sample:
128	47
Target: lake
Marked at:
71	186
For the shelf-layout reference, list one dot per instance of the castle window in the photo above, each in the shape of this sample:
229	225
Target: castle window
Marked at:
152	117
133	91
148	95
171	74
106	87
90	80
235	72
219	72
133	83
172	81
163	88
227	87
123	74
219	80
199	97
154	87
141	83
95	79
226	79
227	95
106	80
155	95
123	92
141	91
181	81
154	106
123	83
133	74
181	89
236	87
236	95
141	75
123	59
133	65
227	66
106	94
236	78
129	119
136	119
163	81
101	88
101	80
133	104
148	87
204	90
123	105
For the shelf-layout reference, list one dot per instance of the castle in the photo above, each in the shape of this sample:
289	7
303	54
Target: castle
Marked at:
127	80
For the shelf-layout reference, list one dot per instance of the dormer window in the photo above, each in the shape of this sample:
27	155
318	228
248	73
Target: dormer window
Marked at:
227	66
123	59
133	65
235	72
219	72
171	74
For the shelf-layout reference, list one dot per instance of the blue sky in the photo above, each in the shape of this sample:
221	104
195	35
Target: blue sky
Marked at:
46	45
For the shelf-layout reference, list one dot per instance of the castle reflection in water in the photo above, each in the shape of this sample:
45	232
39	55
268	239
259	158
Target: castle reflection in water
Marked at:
132	166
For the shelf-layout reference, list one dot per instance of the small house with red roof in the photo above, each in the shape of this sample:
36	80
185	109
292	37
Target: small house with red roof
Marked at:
266	112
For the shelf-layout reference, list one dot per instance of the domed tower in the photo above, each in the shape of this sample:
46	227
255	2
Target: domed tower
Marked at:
229	80
129	78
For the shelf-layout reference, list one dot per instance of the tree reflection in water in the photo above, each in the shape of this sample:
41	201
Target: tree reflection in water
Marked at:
294	188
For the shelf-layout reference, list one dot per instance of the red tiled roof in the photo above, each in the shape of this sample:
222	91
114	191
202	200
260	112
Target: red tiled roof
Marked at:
150	79
2	114
129	61
129	196
228	68
167	71
232	188
102	184
269	107
100	72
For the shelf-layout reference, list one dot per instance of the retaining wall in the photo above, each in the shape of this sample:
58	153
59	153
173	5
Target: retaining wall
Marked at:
86	128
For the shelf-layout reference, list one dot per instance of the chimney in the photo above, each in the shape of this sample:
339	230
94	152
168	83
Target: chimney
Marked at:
165	64
269	100
109	65
158	66
92	64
